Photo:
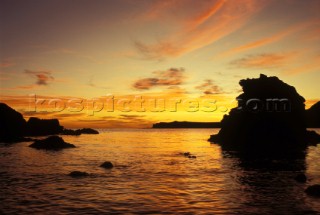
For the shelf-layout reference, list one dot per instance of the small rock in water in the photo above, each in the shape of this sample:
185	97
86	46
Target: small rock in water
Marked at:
107	165
77	174
302	178
313	190
60	188
192	156
186	154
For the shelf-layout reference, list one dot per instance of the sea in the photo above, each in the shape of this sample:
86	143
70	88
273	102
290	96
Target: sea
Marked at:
150	176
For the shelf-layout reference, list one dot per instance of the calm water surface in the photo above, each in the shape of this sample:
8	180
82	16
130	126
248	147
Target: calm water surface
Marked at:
150	176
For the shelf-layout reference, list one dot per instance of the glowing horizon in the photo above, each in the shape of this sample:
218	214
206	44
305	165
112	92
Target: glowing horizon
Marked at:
153	49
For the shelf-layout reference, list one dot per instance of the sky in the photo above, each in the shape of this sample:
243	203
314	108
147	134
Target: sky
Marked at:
129	64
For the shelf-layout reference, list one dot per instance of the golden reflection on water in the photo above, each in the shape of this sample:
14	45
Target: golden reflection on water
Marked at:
150	176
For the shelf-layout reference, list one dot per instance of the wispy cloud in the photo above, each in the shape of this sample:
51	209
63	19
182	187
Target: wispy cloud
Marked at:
170	77
6	63
311	66
262	61
271	39
158	51
92	84
205	15
70	53
42	77
157	8
200	29
209	87
131	116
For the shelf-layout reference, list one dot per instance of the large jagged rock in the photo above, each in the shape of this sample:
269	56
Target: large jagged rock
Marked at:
42	127
270	118
51	143
12	124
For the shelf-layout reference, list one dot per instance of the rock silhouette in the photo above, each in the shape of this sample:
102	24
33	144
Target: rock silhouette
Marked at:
87	131
42	127
14	128
313	138
313	116
51	143
301	178
12	124
270	119
78	174
107	165
313	190
70	132
79	131
188	155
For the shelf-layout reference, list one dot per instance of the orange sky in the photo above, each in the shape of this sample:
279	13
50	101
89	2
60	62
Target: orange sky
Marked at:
194	52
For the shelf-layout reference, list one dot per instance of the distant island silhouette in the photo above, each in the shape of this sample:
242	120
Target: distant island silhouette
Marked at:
260	125
312	121
186	124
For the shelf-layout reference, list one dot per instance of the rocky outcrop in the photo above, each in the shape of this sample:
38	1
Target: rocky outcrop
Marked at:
42	127
51	143
14	128
270	118
12	124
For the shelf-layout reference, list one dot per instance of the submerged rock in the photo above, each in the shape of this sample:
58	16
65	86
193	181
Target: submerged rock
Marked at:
188	155
78	174
107	165
51	143
270	119
313	190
